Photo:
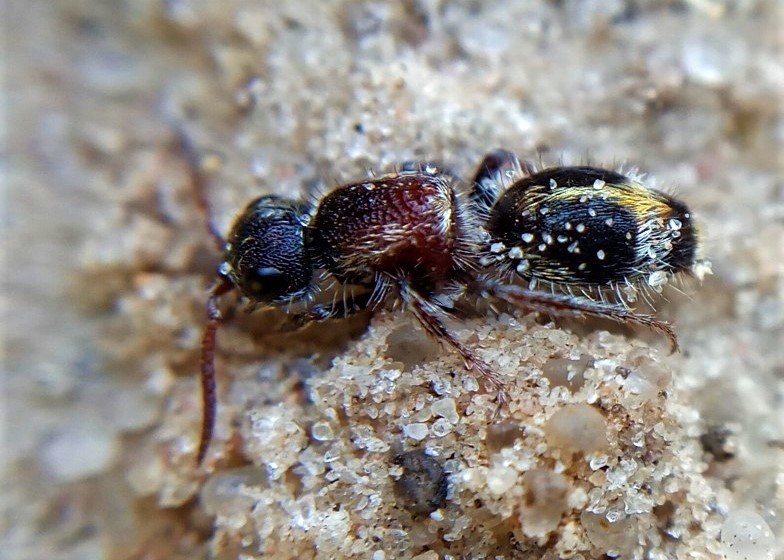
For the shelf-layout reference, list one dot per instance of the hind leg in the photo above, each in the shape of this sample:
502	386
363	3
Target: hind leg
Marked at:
563	304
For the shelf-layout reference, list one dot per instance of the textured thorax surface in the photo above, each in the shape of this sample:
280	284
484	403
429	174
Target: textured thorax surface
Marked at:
398	223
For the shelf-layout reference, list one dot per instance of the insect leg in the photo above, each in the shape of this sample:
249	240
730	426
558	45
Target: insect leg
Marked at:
563	304
431	317
336	309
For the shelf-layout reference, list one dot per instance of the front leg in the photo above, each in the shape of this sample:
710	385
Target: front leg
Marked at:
338	308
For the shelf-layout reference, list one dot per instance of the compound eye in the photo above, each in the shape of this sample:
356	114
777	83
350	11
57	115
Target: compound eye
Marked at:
265	283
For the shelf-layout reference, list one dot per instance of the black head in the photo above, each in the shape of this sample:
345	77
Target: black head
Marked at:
265	255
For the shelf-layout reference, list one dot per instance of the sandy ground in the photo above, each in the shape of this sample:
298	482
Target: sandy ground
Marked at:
107	260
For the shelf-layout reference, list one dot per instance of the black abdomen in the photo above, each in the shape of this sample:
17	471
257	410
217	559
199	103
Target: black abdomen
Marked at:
585	226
